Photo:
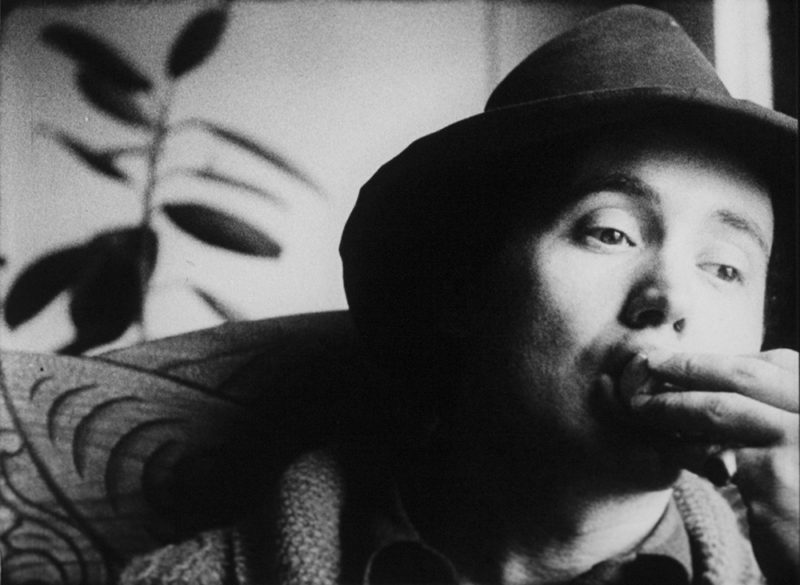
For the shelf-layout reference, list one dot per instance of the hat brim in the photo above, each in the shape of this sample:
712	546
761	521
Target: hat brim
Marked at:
514	128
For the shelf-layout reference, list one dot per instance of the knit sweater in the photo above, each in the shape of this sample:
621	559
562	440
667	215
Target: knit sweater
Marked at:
303	545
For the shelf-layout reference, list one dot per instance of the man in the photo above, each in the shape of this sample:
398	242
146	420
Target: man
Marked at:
570	292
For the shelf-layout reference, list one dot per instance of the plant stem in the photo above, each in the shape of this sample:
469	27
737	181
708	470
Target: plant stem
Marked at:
153	156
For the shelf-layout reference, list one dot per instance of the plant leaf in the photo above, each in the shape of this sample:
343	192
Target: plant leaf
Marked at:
227	180
135	244
220	307
95	54
42	281
260	150
220	229
196	41
108	297
104	306
109	98
102	162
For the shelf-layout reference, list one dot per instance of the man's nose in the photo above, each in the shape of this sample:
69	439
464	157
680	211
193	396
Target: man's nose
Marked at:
660	297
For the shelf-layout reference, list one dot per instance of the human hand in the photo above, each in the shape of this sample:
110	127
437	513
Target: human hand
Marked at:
748	406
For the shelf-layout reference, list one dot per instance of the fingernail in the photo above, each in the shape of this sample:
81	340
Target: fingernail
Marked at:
634	376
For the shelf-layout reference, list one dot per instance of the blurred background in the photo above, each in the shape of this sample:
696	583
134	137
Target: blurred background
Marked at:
243	149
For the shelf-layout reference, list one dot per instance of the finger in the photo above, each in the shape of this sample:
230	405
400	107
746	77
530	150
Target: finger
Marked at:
782	357
715	417
762	471
758	377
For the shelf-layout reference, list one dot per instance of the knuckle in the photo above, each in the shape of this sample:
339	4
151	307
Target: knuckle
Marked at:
715	411
783	357
746	371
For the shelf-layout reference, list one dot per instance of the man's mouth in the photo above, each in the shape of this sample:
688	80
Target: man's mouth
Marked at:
620	358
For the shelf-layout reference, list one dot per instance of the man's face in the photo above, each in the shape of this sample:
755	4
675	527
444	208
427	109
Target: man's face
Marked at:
664	244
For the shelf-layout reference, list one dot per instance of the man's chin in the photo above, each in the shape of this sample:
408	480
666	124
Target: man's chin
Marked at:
652	473
642	463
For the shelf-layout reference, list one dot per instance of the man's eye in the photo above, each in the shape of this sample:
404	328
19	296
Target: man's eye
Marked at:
727	273
610	237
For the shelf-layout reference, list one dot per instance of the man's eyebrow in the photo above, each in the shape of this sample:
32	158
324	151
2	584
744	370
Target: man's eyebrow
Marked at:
745	225
620	182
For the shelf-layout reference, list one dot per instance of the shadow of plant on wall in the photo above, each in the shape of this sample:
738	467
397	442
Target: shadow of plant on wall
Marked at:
107	276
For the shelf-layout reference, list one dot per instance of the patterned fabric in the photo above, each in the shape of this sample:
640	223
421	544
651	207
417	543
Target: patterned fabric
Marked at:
308	517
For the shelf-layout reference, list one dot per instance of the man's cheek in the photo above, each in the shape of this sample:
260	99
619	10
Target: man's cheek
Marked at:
734	331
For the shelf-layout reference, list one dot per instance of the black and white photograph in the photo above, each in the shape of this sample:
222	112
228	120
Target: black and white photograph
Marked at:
332	292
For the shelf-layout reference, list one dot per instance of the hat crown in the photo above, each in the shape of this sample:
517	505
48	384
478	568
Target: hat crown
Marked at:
619	49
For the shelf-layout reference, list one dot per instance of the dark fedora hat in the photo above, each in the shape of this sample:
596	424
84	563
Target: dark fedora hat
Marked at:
625	64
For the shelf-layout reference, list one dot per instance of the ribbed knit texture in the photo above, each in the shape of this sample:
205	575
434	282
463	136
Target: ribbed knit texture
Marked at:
310	500
713	530
211	558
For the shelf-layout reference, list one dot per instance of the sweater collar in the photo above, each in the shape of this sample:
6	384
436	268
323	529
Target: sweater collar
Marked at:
400	555
342	521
